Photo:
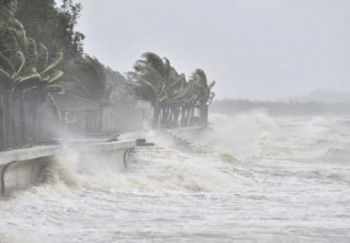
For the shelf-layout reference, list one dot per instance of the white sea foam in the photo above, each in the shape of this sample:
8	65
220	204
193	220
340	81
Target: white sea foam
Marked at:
277	183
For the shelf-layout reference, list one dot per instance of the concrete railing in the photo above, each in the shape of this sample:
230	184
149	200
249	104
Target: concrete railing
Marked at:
20	169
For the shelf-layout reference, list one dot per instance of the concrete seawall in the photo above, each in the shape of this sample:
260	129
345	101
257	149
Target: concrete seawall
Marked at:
20	169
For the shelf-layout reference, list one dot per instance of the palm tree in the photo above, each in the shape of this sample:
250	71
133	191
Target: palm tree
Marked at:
157	82
22	69
189	102
152	75
205	96
12	64
38	84
90	76
29	79
173	96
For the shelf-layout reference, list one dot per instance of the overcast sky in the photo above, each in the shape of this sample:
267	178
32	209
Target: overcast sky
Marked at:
256	49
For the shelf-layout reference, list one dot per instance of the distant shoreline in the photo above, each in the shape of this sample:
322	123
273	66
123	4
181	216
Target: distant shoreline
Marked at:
232	107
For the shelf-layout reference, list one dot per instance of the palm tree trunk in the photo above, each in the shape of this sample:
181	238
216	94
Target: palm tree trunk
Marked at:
3	122
176	116
170	117
165	114
155	116
161	117
13	127
183	116
39	135
190	113
192	116
187	115
8	117
204	114
23	118
34	125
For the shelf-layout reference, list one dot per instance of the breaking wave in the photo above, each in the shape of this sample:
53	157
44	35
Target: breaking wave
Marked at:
279	173
237	142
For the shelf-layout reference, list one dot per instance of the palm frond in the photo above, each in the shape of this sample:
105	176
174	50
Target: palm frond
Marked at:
27	82
58	58
167	68
8	9
31	88
20	60
149	85
211	85
56	75
5	79
81	84
55	107
5	63
43	57
19	33
154	60
31	52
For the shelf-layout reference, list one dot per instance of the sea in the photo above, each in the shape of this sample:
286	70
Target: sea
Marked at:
251	178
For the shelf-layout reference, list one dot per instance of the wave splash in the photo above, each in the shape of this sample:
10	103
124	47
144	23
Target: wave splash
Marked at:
256	135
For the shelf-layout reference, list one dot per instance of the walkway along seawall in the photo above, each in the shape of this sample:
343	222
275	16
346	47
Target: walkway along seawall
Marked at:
20	169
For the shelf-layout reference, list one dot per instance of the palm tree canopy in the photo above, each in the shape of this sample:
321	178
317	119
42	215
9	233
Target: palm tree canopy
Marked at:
8	9
90	74
199	79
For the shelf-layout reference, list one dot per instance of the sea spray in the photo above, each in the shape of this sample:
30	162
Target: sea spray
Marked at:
63	168
242	134
165	195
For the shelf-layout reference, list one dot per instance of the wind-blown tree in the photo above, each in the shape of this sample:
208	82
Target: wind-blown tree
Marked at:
151	74
28	81
22	69
121	91
171	98
204	94
53	25
38	86
9	60
157	82
90	77
121	112
91	83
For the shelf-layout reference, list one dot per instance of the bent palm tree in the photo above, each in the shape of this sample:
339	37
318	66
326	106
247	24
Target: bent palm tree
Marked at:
90	74
151	75
23	69
157	82
205	96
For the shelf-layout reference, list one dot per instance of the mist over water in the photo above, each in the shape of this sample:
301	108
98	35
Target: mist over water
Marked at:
264	179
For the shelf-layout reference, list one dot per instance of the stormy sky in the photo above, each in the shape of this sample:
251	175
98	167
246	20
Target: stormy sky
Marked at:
255	49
